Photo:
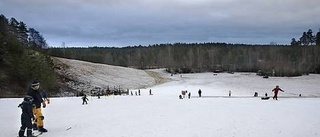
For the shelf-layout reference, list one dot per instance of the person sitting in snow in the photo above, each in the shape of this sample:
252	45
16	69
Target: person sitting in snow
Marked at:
180	97
276	90
84	99
26	116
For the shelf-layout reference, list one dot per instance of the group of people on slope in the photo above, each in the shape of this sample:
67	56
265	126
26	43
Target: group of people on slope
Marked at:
31	117
275	90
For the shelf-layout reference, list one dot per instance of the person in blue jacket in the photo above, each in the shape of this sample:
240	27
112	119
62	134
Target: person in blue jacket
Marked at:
26	116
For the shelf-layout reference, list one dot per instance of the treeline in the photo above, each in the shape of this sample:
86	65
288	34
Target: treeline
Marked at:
307	39
23	58
275	60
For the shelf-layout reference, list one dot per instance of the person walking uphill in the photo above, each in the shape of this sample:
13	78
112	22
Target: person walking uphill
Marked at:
276	90
36	104
26	116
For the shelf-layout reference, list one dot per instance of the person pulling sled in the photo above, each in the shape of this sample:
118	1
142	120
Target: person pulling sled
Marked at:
276	90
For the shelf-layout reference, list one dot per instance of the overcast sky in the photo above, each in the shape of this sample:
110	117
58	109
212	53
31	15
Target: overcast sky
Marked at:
142	22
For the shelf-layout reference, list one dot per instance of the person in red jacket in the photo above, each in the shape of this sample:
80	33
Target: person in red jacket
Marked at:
276	90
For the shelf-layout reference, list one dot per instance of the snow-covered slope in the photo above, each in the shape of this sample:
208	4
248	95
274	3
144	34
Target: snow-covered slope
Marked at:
164	115
86	76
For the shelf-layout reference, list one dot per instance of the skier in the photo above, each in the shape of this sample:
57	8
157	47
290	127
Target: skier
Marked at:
84	99
36	103
199	92
26	116
276	90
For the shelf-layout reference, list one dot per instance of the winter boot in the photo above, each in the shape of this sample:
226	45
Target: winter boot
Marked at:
21	133
34	126
41	129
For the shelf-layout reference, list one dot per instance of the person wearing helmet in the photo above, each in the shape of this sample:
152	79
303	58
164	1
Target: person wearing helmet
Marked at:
26	116
276	90
35	93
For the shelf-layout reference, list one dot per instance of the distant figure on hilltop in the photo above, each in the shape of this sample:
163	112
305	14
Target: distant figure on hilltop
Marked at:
199	92
276	90
150	93
84	99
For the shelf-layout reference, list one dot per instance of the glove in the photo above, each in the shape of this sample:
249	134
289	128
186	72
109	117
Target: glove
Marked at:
44	105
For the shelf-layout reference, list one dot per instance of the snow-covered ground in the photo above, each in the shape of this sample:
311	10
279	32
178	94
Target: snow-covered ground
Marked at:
164	115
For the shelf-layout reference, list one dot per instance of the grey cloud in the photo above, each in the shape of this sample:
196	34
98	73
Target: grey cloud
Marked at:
127	22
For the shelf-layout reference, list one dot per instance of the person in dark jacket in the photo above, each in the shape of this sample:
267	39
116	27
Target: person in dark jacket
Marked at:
276	90
199	92
84	99
26	116
35	93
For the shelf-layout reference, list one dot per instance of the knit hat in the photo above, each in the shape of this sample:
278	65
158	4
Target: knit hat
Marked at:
35	83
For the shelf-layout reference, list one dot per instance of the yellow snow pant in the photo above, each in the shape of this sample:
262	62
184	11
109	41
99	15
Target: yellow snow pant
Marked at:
38	116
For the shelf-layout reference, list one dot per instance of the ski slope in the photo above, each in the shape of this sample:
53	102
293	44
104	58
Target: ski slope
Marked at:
164	115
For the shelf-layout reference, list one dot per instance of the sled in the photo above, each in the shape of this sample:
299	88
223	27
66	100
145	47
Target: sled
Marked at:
265	98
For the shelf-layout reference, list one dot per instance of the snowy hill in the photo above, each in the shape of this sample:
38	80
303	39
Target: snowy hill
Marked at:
85	76
164	115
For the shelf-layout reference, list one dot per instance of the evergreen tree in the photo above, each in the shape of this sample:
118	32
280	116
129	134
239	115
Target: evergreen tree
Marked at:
318	38
294	42
23	33
36	40
304	39
310	37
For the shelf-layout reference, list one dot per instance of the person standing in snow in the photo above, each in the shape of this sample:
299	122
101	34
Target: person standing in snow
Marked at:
84	99
150	93
26	116
183	92
199	92
189	95
36	103
276	90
